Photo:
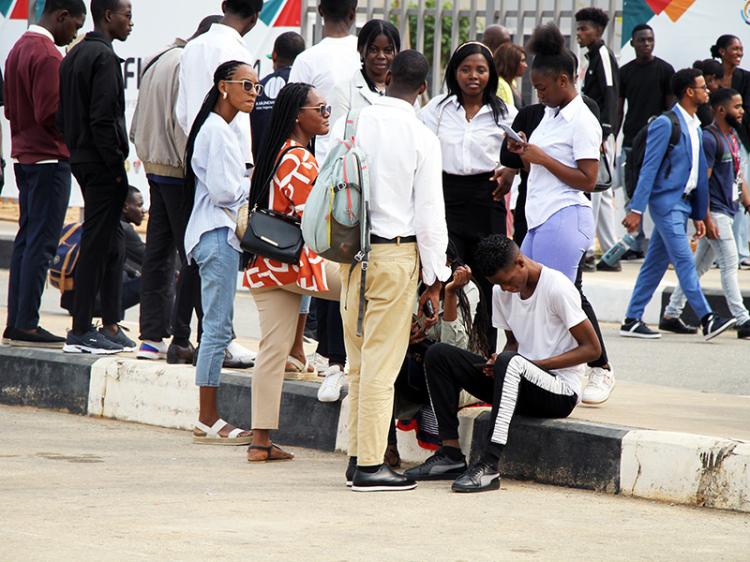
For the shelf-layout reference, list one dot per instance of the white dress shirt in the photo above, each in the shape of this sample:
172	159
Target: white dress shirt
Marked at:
469	147
406	187
324	65
694	127
220	182
567	135
200	59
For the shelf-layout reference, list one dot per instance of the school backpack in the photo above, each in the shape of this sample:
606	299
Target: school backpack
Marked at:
634	161
336	221
64	263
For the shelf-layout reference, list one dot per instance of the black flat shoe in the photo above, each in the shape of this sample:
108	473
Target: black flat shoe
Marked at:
382	480
438	467
350	470
479	477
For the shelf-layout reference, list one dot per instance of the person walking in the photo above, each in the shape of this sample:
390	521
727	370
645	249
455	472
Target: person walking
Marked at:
282	182
32	97
407	227
160	144
467	121
671	199
600	81
92	119
216	177
728	195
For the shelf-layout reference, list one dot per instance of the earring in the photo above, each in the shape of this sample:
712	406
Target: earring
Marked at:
224	95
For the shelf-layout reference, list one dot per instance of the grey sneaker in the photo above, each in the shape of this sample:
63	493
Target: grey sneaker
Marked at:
91	342
119	338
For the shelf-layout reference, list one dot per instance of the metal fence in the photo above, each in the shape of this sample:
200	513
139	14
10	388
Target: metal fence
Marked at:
466	20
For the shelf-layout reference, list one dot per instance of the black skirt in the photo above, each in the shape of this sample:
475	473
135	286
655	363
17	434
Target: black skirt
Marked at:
470	212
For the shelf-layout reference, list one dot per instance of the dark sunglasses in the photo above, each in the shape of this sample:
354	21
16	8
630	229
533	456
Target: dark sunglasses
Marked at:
322	109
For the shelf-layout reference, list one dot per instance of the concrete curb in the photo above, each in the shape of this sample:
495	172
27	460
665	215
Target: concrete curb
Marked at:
667	466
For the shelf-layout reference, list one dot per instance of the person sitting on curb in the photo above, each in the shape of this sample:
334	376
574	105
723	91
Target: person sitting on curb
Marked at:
549	339
726	187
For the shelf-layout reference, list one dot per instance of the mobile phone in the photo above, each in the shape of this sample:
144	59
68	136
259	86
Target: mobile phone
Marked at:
428	310
480	366
511	134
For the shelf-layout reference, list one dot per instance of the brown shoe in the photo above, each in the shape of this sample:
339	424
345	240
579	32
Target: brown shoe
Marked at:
392	458
180	355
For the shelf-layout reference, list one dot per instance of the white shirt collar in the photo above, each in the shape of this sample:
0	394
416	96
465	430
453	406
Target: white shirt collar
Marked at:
569	111
41	31
691	120
226	30
395	103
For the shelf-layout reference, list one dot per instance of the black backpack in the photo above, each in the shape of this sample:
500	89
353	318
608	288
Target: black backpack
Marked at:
634	161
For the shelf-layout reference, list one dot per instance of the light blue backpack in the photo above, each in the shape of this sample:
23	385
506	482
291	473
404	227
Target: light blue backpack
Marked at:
336	221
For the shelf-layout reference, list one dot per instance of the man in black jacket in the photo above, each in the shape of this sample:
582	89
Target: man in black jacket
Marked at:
601	82
92	118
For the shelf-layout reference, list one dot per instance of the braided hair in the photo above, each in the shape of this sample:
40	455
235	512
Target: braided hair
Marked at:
225	71
291	98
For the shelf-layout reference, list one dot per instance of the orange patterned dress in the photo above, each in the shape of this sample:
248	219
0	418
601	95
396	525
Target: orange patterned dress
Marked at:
290	188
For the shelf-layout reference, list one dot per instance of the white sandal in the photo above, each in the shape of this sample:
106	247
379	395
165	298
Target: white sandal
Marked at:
296	370
212	437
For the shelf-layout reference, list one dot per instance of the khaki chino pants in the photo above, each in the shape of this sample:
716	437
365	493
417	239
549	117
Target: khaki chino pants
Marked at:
278	309
375	358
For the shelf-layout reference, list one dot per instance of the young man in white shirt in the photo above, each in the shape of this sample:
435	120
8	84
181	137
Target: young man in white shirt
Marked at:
407	226
549	340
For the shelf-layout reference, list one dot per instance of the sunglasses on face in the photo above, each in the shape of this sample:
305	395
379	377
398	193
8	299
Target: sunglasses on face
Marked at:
247	85
322	109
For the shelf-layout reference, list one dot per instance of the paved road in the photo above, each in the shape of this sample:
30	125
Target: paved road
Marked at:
88	489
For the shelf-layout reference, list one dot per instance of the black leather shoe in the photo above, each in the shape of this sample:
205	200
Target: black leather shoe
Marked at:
743	331
479	477
180	355
383	480
604	266
438	467
350	470
677	326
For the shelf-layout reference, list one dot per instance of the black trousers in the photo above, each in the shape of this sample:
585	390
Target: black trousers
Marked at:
43	195
102	253
517	387
471	215
168	218
330	331
131	296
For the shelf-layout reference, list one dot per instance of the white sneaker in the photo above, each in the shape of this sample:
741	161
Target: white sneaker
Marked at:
153	350
319	362
600	385
241	353
330	390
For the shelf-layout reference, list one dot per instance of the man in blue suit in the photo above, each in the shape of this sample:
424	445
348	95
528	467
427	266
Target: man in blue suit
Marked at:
674	185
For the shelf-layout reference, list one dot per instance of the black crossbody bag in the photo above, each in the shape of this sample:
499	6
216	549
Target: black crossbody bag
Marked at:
271	234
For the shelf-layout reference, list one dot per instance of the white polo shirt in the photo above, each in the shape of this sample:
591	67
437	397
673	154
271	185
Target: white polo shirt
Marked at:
567	135
469	147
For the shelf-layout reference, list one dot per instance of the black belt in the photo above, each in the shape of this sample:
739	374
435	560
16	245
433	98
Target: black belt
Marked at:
375	239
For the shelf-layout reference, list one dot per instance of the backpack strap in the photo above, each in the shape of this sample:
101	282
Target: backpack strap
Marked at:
719	143
674	139
350	128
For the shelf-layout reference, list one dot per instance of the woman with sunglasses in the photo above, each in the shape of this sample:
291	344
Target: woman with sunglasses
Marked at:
299	115
216	180
378	44
467	122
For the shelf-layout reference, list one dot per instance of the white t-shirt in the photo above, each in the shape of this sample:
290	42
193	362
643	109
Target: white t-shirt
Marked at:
333	60
541	324
567	135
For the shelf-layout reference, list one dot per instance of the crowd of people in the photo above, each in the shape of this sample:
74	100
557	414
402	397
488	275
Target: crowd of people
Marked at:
483	214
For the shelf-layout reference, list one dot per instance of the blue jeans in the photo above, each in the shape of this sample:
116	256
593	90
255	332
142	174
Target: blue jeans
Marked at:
669	243
43	195
218	264
725	251
561	240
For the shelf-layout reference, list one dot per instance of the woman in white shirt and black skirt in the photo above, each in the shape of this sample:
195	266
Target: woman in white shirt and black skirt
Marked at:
466	121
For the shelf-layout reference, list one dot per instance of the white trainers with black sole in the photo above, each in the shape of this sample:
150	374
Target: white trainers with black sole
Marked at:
92	342
637	329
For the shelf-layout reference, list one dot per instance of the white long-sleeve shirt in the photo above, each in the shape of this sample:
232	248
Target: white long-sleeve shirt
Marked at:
406	187
220	182
200	59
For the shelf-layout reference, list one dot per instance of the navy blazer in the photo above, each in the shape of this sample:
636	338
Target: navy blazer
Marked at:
661	193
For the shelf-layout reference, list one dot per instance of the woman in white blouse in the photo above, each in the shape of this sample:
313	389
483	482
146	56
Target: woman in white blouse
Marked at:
466	121
216	175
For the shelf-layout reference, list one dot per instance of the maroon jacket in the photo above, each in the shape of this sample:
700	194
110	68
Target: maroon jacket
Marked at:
32	95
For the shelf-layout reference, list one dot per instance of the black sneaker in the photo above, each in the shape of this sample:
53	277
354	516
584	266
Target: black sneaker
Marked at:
677	326
633	328
6	336
383	480
90	342
589	264
351	468
715	324
40	339
479	477
604	266
119	338
743	330
438	467
632	255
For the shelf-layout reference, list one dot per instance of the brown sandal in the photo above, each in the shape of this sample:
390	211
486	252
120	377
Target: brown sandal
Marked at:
269	456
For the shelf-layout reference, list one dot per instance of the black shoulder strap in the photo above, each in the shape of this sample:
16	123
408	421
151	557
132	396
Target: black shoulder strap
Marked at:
267	184
154	60
719	143
674	139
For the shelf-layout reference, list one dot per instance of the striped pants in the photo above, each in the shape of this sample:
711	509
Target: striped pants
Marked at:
518	387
